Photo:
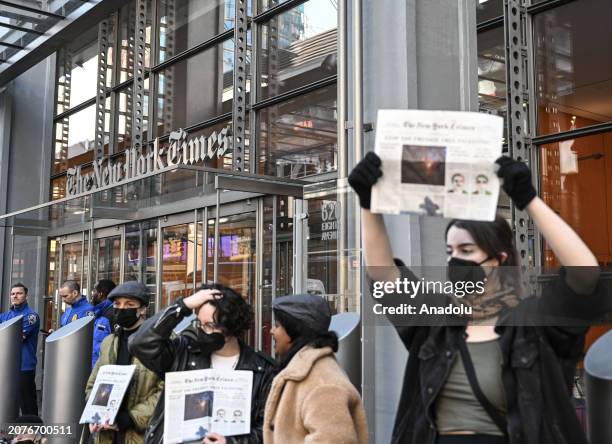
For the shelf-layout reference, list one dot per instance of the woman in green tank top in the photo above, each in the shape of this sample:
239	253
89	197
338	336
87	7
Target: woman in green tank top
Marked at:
483	382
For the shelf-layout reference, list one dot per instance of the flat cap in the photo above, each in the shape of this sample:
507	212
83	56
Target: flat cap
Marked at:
309	309
131	289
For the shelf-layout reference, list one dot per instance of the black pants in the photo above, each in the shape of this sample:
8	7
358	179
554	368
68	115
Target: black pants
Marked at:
27	393
471	439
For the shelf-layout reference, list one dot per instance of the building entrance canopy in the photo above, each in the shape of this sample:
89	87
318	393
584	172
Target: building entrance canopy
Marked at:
31	31
173	189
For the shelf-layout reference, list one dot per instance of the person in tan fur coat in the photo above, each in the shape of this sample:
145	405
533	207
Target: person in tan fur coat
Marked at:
311	399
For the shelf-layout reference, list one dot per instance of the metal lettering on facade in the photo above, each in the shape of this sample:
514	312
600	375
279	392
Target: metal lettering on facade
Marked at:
181	151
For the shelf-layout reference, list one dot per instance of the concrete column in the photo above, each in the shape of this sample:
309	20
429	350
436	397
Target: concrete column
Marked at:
418	54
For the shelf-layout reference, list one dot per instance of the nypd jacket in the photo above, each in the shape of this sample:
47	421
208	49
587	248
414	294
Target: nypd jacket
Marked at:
102	327
78	310
539	360
161	353
31	326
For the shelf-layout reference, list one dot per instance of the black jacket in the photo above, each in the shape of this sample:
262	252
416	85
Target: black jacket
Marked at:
537	371
161	353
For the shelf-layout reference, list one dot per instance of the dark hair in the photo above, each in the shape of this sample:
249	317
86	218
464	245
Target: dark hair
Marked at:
19	284
301	335
233	313
457	174
72	285
493	238
105	286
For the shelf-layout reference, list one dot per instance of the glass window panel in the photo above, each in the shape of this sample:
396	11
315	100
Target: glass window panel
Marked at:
262	5
107	259
196	89
127	29
575	181
297	138
178	262
573	71
124	120
58	188
185	24
322	251
492	98
298	47
77	71
140	256
489	9
74	139
236	255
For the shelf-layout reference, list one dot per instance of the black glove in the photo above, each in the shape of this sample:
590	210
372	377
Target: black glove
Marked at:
516	181
364	176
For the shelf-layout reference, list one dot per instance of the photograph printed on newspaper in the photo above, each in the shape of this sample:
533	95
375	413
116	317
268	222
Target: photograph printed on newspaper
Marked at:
199	402
438	163
107	394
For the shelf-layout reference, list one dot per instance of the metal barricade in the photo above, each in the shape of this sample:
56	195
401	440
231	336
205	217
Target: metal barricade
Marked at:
67	368
10	366
347	327
598	375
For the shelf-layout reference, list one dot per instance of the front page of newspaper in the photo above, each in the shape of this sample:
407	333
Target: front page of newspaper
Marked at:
107	393
198	402
438	163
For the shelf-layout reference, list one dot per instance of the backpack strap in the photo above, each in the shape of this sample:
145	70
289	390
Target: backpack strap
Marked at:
468	365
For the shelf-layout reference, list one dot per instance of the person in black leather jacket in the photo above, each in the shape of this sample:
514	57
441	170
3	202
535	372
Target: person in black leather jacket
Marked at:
212	342
531	361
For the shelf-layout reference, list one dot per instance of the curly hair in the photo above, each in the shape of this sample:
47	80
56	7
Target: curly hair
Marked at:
232	313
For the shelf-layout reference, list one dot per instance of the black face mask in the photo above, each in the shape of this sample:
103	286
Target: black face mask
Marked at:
125	317
462	270
27	441
210	342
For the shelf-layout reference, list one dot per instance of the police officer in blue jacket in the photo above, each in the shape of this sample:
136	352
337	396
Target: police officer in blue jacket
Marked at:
31	326
103	311
70	292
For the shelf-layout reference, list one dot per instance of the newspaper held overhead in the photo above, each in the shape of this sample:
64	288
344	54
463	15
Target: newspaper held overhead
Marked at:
438	163
107	394
199	402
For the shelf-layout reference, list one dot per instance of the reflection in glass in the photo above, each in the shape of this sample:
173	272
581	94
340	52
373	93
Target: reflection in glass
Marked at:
277	265
236	255
298	137
322	253
489	9
185	24
573	73
140	256
74	139
106	260
127	29
576	182
77	66
492	94
298	47
178	262
196	89
72	262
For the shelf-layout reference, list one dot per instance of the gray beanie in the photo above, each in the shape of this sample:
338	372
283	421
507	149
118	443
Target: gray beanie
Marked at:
131	289
311	310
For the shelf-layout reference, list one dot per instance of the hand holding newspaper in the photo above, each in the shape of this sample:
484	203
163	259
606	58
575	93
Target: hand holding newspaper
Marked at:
107	394
438	163
199	402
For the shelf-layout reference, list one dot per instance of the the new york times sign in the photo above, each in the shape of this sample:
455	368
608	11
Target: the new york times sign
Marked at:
136	163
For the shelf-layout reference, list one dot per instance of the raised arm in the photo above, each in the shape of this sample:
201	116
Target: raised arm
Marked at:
376	246
570	250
